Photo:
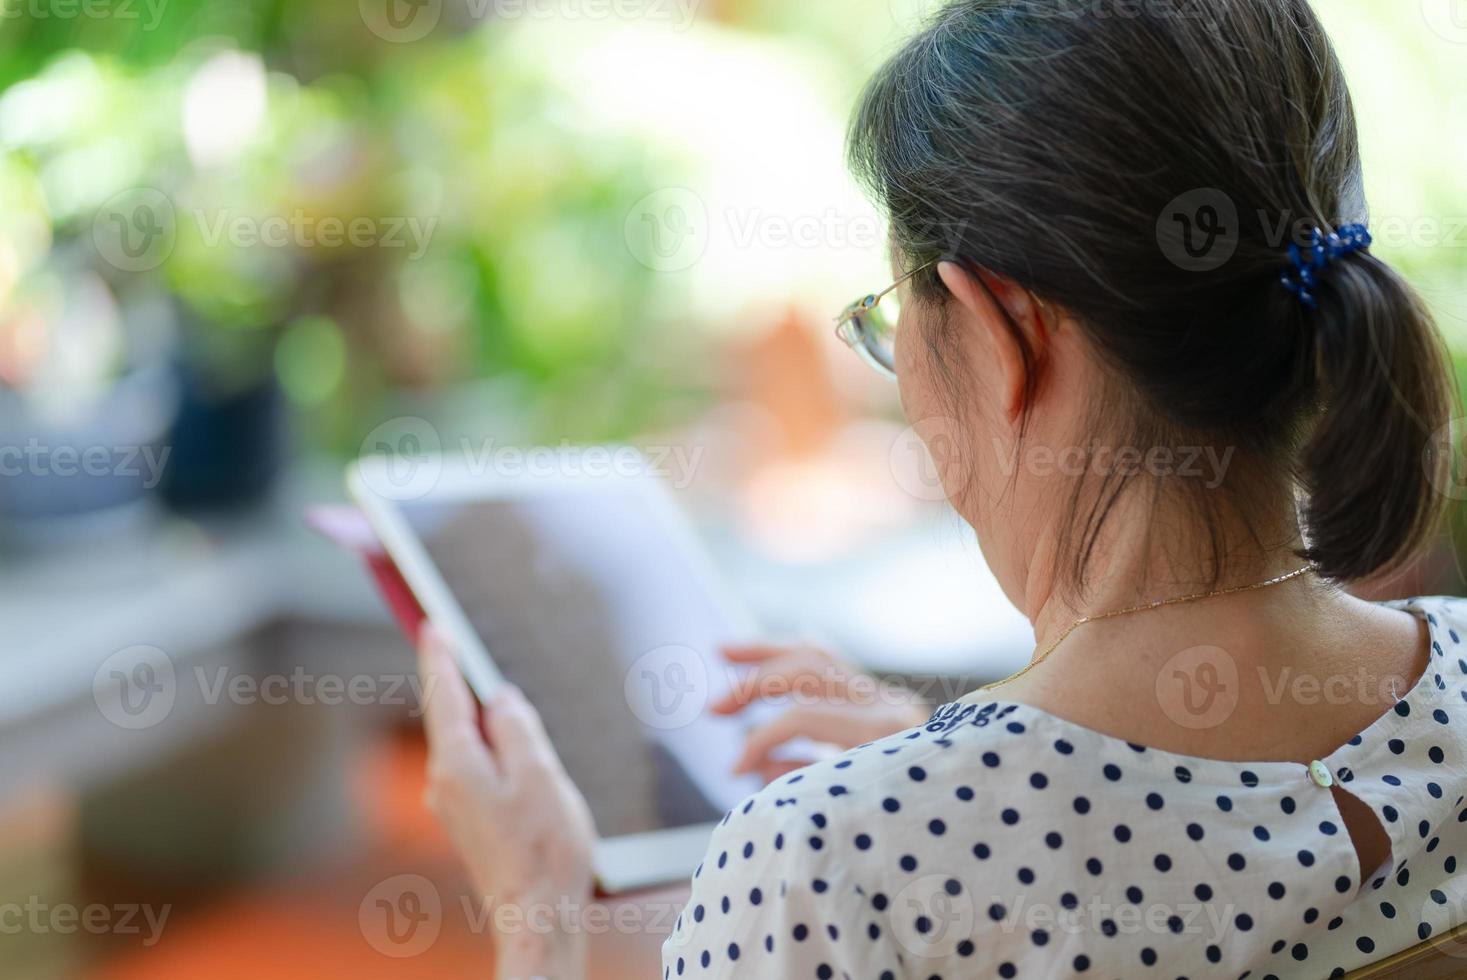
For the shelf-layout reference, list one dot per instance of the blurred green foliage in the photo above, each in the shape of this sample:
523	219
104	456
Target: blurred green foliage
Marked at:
496	209
519	182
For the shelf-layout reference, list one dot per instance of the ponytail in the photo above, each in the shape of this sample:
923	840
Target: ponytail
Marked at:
1371	496
1149	209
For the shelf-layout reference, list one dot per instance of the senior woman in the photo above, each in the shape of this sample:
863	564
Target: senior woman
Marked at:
1123	238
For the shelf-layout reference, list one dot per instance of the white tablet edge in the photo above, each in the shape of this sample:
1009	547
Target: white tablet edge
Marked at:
621	864
417	570
635	862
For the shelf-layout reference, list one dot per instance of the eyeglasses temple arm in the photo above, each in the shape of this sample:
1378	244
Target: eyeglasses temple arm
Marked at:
911	275
878	297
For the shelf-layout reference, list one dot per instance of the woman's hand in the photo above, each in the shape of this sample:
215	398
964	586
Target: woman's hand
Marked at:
521	827
833	703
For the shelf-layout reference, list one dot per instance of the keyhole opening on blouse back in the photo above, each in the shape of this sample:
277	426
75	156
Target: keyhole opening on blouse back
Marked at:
1367	834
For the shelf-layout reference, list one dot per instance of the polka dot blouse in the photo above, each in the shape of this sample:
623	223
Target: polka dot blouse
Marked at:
998	840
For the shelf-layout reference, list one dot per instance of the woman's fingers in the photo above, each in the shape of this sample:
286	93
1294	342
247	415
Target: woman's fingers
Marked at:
448	706
823	723
749	653
775	768
533	772
521	746
450	715
777	671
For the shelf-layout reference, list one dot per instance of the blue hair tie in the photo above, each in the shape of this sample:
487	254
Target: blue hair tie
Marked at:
1323	250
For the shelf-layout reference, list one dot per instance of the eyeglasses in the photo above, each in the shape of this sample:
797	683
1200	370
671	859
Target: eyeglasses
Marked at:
871	332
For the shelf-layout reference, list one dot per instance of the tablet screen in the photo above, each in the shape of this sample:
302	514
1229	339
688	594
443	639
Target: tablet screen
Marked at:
597	606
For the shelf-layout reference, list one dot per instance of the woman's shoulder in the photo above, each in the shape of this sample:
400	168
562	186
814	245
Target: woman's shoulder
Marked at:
1447	610
877	855
803	877
955	757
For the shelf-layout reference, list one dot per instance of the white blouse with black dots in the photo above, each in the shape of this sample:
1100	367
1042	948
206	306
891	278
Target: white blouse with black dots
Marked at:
999	840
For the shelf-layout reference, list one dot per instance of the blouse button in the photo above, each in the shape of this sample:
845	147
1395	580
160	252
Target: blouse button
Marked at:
1319	772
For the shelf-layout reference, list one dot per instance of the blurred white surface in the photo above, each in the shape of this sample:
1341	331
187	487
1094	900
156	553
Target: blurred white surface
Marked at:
921	602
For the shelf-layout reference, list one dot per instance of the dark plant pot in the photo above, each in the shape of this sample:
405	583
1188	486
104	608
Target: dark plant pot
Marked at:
228	449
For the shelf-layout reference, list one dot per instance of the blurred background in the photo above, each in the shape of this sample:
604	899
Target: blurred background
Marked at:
242	242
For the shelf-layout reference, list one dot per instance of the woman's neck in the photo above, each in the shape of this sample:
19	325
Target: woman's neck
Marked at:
1144	554
1124	676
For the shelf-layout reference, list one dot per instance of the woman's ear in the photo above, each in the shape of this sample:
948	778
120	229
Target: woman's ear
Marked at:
995	306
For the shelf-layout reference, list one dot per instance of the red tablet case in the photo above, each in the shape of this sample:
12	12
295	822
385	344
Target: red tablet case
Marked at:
348	527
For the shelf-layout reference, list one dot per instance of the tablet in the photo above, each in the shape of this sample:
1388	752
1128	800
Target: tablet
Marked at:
589	591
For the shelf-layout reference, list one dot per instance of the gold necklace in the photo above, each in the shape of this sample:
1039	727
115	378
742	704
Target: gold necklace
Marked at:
1144	607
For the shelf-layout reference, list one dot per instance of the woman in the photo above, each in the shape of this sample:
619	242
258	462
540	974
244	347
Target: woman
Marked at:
1127	238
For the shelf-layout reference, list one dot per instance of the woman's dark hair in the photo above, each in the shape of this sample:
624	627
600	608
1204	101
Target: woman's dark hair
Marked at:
1145	164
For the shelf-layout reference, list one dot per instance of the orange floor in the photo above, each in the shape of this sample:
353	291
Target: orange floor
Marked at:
310	928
